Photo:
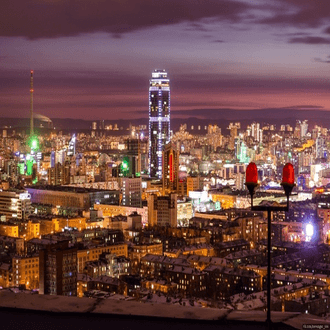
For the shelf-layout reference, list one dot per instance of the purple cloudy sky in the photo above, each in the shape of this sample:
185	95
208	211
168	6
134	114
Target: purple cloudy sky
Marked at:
93	58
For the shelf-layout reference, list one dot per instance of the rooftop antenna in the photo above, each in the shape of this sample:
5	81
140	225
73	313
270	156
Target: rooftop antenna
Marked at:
31	104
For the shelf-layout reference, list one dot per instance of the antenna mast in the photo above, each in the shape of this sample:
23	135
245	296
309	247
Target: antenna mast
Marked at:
31	104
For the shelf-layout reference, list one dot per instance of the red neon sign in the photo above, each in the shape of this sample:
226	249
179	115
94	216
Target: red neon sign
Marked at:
171	167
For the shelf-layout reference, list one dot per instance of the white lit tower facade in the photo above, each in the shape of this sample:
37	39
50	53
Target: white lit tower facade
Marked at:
159	120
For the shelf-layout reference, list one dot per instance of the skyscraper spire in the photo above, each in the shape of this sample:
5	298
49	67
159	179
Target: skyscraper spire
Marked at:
31	104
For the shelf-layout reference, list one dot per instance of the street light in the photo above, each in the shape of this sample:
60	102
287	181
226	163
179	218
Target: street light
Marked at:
251	182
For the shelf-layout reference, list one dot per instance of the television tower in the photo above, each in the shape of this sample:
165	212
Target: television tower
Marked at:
31	104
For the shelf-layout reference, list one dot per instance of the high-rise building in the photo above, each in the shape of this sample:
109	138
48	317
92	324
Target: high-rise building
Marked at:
131	191
59	174
320	147
303	128
256	132
159	120
233	134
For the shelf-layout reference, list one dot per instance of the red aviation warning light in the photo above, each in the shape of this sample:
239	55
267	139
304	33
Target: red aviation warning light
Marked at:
251	174
288	174
288	179
251	178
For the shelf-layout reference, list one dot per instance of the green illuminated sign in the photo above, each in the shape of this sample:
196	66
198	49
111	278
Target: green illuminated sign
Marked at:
21	167
29	167
125	166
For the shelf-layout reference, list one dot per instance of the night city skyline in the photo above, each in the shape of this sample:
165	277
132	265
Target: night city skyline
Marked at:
94	61
165	161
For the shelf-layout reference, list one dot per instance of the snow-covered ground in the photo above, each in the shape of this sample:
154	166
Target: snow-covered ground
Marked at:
153	308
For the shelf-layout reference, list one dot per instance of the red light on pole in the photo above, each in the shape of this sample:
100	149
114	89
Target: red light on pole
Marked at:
288	179
251	178
288	174
251	174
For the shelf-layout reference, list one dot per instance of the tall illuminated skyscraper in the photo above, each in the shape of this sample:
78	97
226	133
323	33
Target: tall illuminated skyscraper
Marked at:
159	120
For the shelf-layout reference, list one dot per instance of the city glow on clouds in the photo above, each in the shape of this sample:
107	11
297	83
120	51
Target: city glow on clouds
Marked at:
93	59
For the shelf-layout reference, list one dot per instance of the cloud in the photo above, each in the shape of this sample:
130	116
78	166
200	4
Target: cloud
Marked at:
292	34
317	59
258	114
302	13
218	41
197	27
304	107
309	40
35	19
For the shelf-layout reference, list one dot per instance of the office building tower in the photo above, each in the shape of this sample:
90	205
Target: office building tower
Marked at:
59	174
131	191
159	120
303	128
297	131
320	147
256	132
233	134
133	148
52	158
72	146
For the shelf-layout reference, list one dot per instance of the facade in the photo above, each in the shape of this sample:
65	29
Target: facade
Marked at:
132	192
59	174
17	228
193	184
58	270
188	280
253	229
159	120
15	204
66	196
138	251
162	210
9	229
224	282
6	275
93	253
114	210
185	212
133	147
26	271
108	265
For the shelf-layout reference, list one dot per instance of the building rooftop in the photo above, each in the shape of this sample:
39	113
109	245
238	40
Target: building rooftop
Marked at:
70	189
